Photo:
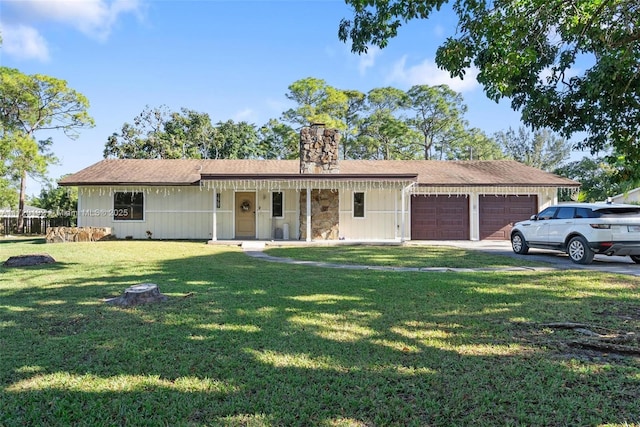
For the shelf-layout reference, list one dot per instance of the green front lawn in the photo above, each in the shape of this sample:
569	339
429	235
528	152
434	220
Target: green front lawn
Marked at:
247	342
401	256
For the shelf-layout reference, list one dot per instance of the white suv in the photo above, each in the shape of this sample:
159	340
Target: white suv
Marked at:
582	230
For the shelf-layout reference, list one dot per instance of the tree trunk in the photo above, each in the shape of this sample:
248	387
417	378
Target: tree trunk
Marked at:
23	190
29	260
427	146
139	294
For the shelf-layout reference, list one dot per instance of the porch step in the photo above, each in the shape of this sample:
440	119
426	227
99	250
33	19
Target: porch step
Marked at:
252	246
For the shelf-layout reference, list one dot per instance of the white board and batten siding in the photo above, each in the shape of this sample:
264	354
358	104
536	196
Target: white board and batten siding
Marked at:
169	212
183	213
382	215
187	212
266	224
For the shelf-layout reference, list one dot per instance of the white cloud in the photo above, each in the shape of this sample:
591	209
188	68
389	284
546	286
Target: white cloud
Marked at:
439	31
428	73
330	51
94	18
24	42
277	106
368	60
243	115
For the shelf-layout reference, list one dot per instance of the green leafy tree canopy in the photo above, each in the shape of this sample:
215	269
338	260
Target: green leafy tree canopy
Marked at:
61	202
597	179
158	133
568	66
30	104
438	115
541	149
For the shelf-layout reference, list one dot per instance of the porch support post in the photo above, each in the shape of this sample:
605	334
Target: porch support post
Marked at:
402	214
396	224
79	214
474	213
308	214
214	233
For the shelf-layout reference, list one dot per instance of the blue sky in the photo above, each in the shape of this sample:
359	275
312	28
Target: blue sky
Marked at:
231	59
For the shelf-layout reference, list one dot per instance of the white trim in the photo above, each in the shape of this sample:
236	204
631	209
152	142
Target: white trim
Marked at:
319	184
402	218
462	190
79	207
395	217
190	211
474	216
146	189
126	221
214	220
308	214
297	217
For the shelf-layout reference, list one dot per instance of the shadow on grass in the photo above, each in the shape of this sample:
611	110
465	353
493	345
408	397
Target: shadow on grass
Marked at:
28	240
40	267
245	342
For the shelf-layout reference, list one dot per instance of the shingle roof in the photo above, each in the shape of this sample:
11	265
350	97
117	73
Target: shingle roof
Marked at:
462	172
424	172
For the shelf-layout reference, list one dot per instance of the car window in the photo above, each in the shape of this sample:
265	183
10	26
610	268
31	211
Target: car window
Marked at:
565	212
626	212
586	213
547	213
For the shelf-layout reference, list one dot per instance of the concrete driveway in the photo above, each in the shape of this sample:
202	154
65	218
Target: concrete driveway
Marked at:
610	264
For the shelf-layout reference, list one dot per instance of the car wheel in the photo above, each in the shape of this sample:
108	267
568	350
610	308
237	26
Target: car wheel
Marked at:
635	258
518	244
579	251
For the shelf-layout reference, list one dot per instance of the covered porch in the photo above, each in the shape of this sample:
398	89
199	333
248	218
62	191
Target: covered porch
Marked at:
319	208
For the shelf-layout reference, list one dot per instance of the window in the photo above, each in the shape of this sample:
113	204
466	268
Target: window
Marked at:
547	213
128	206
277	204
565	213
585	213
218	204
632	212
358	205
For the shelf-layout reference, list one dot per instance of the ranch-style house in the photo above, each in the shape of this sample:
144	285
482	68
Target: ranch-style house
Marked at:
317	197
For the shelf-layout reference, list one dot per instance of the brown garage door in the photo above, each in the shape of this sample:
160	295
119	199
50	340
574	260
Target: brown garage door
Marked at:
499	213
439	217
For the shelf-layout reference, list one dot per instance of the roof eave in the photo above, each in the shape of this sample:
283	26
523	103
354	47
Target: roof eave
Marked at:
122	183
309	177
514	184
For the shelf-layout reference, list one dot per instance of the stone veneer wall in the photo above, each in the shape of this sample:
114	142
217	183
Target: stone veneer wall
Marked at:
319	149
77	234
325	218
319	155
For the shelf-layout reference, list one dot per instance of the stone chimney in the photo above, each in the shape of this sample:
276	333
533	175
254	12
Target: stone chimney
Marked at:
319	149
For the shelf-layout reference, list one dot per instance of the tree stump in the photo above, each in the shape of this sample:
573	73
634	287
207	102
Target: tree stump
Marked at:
144	293
29	260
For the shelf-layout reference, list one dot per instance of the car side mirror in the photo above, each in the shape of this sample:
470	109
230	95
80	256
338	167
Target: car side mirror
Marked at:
534	217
